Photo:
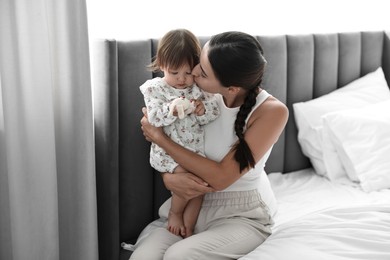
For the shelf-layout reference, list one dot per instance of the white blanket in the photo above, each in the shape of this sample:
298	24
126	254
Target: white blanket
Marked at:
317	219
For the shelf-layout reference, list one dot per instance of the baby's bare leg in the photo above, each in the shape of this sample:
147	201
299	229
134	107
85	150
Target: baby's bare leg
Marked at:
175	217
190	215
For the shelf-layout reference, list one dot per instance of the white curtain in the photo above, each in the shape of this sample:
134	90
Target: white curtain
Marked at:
47	162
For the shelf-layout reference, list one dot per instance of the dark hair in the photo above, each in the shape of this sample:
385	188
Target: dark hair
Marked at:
237	60
176	48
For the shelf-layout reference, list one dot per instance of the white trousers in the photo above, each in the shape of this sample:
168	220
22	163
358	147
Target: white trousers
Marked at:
229	226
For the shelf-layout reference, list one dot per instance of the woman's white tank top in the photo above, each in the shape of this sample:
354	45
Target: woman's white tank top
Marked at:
219	138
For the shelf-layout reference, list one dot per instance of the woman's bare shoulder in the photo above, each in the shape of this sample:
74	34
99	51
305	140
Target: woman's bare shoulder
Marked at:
274	105
271	109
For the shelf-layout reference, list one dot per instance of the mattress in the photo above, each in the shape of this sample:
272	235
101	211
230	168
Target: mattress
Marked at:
318	219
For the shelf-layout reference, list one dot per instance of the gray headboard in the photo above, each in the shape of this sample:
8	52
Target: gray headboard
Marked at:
300	68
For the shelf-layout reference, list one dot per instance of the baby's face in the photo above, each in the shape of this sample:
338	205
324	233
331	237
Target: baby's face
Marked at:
179	78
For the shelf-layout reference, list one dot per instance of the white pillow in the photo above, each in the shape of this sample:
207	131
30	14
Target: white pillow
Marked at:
334	168
361	138
369	89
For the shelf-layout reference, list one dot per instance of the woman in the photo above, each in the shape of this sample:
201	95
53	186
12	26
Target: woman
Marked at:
236	214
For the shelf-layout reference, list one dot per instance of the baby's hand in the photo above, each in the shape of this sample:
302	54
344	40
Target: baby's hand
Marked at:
199	107
180	107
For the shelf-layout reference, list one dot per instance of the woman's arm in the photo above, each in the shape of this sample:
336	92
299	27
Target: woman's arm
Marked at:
185	185
264	128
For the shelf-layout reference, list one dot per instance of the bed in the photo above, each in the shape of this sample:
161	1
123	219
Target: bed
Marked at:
318	219
332	186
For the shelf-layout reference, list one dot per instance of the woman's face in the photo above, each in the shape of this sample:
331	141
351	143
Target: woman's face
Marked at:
204	74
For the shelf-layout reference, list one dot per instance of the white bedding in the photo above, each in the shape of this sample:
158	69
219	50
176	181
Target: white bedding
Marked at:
317	219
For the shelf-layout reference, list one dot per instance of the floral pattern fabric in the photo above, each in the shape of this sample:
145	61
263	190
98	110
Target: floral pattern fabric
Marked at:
189	131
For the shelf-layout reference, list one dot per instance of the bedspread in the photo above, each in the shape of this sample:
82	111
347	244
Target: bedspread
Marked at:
317	219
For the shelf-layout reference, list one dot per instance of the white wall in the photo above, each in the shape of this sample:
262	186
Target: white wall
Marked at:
139	19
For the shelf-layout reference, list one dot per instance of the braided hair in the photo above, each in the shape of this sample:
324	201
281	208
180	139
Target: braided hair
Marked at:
237	60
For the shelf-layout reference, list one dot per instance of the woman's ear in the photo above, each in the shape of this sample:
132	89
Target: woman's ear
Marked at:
234	90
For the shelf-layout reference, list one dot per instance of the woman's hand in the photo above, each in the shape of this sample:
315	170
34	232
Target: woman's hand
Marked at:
185	185
150	132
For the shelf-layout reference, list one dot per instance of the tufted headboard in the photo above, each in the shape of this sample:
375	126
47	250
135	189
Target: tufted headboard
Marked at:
300	67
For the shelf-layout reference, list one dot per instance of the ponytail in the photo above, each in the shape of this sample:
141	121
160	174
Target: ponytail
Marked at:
243	154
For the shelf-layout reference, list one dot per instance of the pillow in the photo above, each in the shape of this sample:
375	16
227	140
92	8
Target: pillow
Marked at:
335	170
361	138
369	89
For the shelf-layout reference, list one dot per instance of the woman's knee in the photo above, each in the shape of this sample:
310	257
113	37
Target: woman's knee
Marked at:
180	251
154	246
146	254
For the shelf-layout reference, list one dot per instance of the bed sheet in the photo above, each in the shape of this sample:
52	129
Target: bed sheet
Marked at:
318	219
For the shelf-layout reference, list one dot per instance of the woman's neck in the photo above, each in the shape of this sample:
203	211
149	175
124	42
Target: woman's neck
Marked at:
233	101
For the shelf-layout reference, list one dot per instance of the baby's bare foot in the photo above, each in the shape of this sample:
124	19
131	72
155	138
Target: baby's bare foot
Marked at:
175	223
187	232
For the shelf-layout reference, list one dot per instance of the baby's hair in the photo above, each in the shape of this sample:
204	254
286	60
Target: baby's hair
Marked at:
175	49
237	60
